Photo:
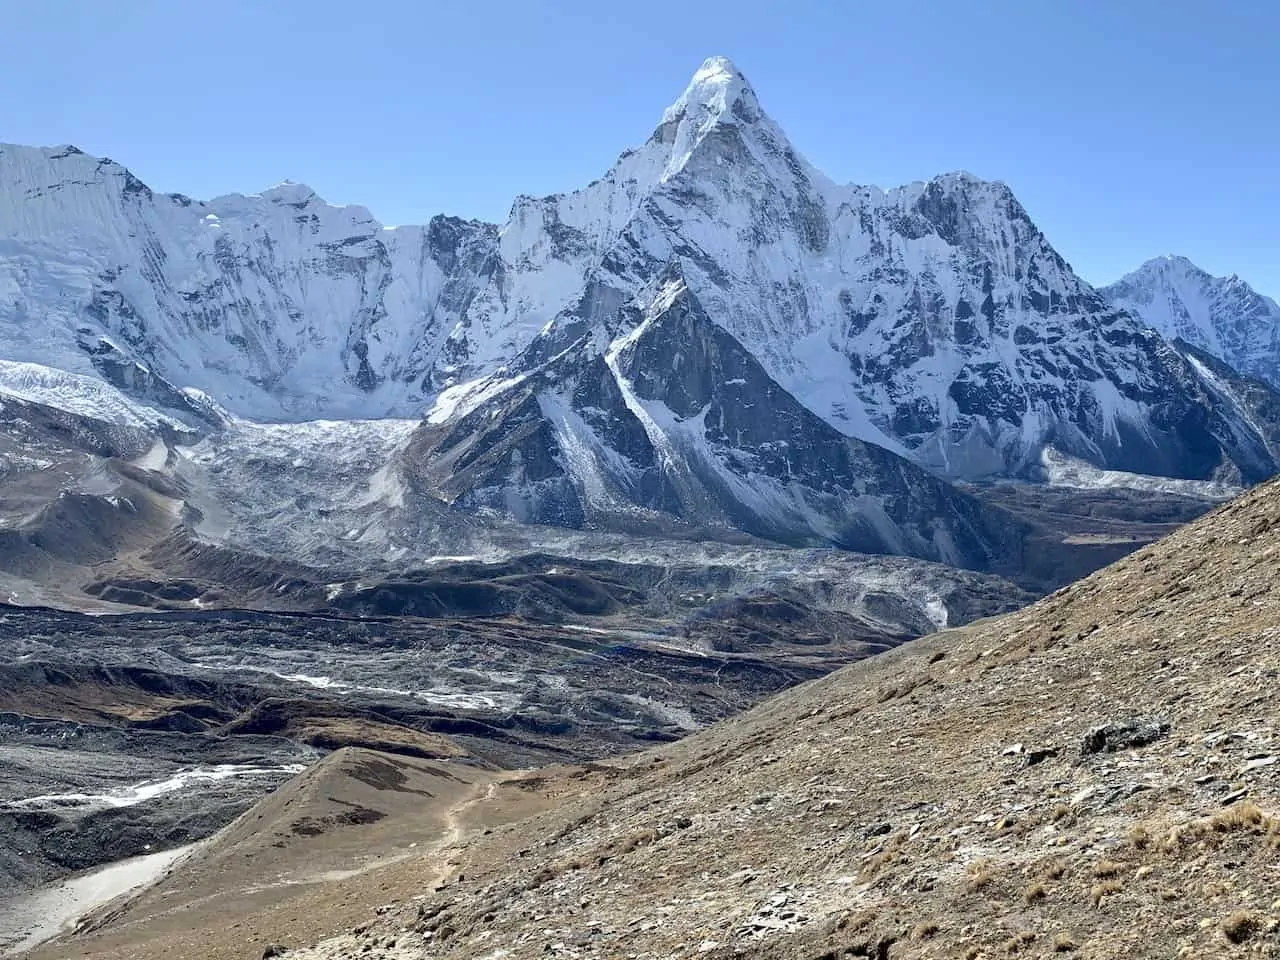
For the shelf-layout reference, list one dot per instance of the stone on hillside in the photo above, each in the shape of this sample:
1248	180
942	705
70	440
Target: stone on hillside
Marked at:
1123	735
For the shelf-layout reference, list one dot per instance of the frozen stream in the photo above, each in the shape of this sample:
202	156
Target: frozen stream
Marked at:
149	789
37	916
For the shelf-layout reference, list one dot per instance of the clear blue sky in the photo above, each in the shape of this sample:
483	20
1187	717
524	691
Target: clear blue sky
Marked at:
1128	128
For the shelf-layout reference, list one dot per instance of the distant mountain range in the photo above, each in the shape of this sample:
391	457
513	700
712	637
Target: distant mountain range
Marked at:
713	334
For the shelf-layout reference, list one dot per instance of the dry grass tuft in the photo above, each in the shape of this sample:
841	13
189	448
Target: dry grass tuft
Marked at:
924	930
882	859
1034	892
1101	891
1244	815
635	841
979	875
1056	870
854	922
1019	940
1062	811
1107	868
1213	889
1242	925
1172	840
1064	943
1139	836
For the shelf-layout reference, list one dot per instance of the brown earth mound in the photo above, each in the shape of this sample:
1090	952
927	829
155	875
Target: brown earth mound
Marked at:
330	726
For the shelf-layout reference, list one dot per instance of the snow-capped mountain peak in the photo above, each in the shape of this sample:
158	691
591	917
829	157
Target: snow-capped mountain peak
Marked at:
718	92
293	194
720	113
1222	315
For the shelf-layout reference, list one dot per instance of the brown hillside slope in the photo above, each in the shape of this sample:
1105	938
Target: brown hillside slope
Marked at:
310	860
945	799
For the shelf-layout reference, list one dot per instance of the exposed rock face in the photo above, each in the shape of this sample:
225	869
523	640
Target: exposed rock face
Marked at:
673	419
934	319
1223	316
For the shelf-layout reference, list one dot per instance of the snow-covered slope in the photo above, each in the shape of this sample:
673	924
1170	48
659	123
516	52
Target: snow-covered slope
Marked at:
277	305
934	320
1223	315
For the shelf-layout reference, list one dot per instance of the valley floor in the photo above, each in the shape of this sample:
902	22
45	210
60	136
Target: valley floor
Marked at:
1095	775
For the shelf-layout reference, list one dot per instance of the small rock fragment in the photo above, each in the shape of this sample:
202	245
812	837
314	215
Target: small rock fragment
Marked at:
1040	755
1256	763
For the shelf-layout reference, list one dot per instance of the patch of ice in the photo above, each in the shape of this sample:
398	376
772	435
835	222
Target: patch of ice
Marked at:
1066	471
149	789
